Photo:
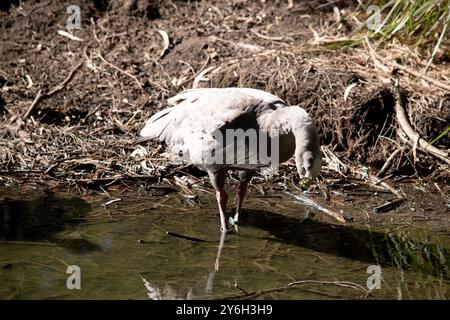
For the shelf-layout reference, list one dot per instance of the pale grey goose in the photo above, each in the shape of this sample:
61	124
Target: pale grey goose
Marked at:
193	126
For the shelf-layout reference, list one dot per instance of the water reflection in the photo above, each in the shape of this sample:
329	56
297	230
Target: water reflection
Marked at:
398	250
269	251
42	219
395	250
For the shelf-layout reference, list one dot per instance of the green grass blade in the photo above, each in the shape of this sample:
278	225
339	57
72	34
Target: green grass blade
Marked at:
440	136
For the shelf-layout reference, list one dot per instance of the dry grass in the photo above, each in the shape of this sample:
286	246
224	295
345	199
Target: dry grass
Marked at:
86	131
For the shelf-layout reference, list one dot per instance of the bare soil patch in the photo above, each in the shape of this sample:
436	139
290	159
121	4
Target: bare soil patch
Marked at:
85	132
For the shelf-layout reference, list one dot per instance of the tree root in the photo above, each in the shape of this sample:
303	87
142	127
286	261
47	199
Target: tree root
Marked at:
408	134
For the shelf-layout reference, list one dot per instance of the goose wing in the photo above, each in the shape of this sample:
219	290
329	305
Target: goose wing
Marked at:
191	125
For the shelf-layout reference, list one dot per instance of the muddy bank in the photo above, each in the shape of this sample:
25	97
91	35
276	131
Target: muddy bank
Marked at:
97	90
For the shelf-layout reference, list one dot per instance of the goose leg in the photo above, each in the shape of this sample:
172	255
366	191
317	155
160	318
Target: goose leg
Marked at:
218	181
222	199
241	189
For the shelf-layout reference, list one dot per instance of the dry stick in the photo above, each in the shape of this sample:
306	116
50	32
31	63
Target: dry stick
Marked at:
113	178
406	140
20	172
311	203
437	83
394	64
375	60
41	96
360	173
177	235
120	70
345	284
413	136
387	164
27	243
266	37
391	205
57	163
381	184
34	263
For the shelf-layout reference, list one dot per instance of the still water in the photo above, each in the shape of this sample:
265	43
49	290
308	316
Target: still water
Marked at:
124	251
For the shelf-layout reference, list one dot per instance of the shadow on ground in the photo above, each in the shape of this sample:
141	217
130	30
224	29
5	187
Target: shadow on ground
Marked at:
394	249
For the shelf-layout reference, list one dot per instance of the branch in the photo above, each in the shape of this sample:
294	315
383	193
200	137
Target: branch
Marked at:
121	70
313	204
419	75
414	138
41	96
387	164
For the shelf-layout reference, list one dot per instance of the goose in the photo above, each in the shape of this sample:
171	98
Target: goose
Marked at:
241	129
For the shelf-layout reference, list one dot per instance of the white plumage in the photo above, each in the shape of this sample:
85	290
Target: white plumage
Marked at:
196	117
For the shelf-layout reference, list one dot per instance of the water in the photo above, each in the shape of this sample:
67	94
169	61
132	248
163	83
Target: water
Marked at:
124	252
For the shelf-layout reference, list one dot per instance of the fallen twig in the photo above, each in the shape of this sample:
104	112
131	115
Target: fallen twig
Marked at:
375	181
266	37
311	203
387	164
110	202
201	76
173	234
394	64
41	96
417	74
27	243
120	70
345	284
114	178
391	205
359	172
69	35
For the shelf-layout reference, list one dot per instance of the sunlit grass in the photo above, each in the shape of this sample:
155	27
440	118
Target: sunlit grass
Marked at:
422	24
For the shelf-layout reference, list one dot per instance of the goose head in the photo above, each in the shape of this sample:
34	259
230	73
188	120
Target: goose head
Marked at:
308	158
